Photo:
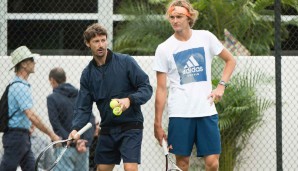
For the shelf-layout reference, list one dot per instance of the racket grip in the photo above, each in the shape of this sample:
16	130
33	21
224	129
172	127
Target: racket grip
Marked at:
84	129
165	147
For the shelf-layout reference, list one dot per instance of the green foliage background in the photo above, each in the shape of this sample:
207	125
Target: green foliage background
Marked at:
250	21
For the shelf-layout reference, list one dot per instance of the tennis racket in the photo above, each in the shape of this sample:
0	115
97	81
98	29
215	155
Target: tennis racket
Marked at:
48	149
170	164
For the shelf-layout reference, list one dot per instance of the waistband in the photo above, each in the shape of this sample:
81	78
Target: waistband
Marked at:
18	130
121	128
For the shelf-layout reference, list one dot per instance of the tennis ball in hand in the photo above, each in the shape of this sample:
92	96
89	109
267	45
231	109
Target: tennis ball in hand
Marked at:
117	111
114	103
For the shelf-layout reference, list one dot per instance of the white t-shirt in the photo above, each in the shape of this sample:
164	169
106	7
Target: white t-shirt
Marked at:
188	67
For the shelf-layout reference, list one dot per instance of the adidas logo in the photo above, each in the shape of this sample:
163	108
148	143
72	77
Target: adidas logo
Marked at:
192	66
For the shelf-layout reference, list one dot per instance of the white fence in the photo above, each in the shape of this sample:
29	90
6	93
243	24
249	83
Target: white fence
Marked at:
260	153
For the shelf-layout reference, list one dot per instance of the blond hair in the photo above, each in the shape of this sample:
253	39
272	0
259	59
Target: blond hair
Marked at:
193	14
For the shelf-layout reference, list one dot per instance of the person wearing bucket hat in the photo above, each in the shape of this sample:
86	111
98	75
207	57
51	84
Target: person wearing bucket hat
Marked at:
16	140
21	54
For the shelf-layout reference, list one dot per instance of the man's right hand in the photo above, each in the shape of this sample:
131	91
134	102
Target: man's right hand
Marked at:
159	133
55	137
73	135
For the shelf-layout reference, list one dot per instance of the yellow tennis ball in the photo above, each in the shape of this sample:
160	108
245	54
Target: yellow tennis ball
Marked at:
117	111
114	103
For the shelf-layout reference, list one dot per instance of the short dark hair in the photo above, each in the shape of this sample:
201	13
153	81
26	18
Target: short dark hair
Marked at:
93	31
58	74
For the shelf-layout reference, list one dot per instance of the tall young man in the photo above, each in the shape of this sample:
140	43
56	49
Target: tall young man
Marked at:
185	59
113	76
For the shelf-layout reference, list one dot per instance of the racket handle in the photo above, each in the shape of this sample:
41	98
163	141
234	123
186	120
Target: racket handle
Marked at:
165	147
84	129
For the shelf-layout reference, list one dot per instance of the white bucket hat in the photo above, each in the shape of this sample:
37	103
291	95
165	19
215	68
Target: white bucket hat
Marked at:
21	54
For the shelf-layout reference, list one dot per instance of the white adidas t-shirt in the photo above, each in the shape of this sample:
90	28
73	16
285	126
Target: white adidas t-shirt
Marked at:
188	67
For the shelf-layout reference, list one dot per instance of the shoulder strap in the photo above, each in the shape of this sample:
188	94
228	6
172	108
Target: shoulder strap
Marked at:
15	82
13	114
7	94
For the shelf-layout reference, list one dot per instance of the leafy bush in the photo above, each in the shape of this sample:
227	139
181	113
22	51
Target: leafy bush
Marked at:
240	113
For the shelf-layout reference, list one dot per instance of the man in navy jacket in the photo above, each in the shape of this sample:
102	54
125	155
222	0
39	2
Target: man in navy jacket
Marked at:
110	76
61	108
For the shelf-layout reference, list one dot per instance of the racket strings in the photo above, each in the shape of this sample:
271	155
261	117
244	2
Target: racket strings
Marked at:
63	143
58	158
50	149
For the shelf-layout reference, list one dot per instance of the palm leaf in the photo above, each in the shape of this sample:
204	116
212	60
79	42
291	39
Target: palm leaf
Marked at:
240	113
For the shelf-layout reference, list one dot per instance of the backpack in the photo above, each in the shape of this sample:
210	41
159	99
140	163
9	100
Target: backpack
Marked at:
4	109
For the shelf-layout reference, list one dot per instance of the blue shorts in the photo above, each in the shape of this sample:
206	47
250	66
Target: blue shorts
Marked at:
111	148
201	131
